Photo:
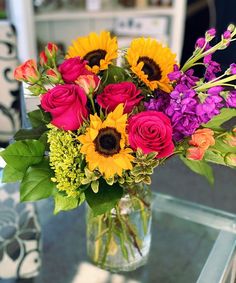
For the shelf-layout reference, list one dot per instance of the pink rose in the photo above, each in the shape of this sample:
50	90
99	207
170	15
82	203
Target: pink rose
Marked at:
114	94
72	68
67	105
152	132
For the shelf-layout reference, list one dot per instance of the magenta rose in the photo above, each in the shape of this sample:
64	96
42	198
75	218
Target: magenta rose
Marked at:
152	132
114	94
72	68
67	105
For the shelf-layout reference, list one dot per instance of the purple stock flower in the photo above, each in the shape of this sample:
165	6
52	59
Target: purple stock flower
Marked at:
187	78
200	42
176	74
211	106
211	32
182	111
159	103
231	99
227	34
212	68
233	69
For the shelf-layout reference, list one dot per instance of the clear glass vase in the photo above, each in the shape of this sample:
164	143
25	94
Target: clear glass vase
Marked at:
120	239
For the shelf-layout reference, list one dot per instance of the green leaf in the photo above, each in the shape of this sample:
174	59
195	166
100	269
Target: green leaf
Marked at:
105	199
11	175
64	203
114	74
199	167
39	118
214	157
32	134
223	147
37	183
21	154
225	115
44	139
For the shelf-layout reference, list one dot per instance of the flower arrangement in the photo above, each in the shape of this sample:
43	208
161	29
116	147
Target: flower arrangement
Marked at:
101	129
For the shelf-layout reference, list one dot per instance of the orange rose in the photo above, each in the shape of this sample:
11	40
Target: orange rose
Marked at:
89	83
203	138
195	153
27	72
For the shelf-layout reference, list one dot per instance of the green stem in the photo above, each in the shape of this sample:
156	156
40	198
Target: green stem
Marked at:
217	83
109	235
98	241
90	96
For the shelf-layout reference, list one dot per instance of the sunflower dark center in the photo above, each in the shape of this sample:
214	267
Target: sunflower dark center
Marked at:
94	57
107	141
150	68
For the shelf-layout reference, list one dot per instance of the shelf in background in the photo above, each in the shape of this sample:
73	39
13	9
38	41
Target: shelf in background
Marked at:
65	15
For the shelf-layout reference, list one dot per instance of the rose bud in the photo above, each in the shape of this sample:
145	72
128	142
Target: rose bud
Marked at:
195	153
89	83
54	76
203	138
51	50
230	159
43	60
27	72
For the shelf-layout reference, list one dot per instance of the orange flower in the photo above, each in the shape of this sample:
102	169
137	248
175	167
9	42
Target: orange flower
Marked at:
230	140
195	153
27	72
89	83
43	58
203	138
51	49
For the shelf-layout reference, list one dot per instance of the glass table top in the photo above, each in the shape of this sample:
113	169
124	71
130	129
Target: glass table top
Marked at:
190	244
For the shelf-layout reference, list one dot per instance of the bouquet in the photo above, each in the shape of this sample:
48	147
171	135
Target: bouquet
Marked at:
102	127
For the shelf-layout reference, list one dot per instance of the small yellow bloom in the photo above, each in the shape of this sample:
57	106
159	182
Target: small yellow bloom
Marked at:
105	144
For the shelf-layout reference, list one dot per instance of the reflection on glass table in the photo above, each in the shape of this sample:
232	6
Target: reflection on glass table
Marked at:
190	243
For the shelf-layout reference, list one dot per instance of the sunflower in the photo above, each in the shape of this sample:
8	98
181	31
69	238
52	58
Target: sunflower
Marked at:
98	49
104	144
151	62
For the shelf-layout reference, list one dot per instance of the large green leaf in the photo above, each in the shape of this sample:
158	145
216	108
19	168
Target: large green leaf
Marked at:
11	175
32	134
105	199
38	118
225	115
64	203
199	167
21	154
37	183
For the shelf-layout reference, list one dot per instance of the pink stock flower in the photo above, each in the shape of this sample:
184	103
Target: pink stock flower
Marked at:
27	72
114	94
67	105
152	132
89	83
